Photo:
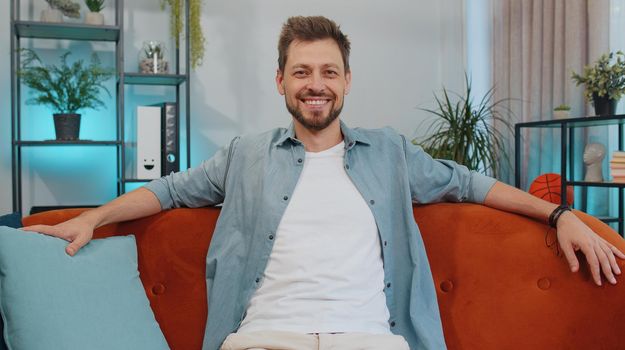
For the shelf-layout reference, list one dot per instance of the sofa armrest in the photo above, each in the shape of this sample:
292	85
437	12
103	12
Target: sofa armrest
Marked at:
500	285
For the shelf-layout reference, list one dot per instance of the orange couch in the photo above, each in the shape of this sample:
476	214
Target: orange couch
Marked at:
498	284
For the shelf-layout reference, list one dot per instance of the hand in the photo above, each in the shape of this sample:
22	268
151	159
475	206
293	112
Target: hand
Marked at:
78	231
574	235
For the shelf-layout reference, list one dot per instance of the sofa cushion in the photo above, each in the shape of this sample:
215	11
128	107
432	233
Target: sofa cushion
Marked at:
11	220
93	300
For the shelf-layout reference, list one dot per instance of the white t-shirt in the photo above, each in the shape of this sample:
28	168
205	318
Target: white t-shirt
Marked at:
325	272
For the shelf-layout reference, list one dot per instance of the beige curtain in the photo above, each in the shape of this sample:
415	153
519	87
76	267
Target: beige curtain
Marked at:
536	46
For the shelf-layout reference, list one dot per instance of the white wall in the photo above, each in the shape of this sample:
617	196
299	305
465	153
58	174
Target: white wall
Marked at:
402	52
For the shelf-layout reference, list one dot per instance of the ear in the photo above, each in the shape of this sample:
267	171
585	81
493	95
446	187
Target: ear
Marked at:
280	81
348	82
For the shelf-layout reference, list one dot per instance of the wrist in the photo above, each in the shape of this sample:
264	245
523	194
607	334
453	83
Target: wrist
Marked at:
556	214
91	218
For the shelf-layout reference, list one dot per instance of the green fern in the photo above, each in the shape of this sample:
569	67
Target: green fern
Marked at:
66	88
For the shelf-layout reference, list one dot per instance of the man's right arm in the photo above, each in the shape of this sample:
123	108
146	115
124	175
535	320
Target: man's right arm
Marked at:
79	230
196	187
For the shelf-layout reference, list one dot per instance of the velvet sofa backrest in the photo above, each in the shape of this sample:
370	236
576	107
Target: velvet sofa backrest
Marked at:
172	248
498	284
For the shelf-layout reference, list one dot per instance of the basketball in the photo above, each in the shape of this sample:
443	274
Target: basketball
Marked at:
547	187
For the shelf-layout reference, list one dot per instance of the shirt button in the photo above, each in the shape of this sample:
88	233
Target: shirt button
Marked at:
270	237
392	323
285	198
372	202
347	166
350	144
385	243
388	285
300	160
257	279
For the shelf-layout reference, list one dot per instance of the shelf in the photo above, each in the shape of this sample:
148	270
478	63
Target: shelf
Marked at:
154	79
23	30
67	143
70	31
576	122
41	208
607	219
596	184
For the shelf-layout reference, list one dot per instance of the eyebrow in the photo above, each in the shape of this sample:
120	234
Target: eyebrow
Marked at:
326	65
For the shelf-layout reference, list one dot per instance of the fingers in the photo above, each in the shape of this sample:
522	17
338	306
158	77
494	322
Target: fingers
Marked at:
593	262
75	246
609	251
614	249
604	262
36	228
47	230
569	253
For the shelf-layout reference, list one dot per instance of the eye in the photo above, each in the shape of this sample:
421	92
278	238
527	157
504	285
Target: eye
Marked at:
299	73
332	73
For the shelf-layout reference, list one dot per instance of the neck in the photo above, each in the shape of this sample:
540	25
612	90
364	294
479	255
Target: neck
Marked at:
319	140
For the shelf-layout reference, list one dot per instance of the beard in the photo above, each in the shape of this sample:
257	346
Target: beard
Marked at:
318	121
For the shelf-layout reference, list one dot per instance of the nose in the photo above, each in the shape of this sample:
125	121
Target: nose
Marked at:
316	83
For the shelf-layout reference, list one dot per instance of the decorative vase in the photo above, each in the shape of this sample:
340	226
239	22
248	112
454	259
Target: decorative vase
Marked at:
94	18
151	58
51	15
560	114
604	105
67	126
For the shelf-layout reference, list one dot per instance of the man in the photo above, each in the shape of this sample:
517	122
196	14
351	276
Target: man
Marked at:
316	245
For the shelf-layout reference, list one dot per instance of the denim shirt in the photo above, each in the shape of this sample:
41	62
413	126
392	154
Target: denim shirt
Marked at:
254	177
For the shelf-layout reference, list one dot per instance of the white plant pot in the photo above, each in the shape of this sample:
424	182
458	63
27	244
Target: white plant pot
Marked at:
51	15
94	18
560	114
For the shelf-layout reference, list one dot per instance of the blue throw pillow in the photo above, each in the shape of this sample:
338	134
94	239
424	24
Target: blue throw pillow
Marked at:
12	220
94	300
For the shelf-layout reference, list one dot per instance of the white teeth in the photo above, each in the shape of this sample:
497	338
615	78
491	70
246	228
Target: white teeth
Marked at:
315	102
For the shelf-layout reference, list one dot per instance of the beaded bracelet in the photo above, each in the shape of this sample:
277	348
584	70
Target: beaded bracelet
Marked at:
556	213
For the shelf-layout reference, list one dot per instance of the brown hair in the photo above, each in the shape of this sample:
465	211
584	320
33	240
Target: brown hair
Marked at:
310	29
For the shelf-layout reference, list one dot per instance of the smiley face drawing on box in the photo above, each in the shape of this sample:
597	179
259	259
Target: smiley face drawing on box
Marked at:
148	164
148	142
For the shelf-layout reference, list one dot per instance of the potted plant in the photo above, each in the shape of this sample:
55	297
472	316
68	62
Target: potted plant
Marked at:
561	112
463	131
66	88
152	58
59	8
94	17
196	37
604	82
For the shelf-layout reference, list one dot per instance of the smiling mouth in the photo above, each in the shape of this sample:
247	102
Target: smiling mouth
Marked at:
315	103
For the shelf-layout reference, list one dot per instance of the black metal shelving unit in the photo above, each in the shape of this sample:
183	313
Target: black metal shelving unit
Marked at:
567	157
20	29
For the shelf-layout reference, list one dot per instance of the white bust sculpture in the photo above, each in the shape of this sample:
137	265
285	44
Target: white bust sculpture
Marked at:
593	157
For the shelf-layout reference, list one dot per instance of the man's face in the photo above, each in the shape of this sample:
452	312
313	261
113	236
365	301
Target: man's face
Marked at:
314	82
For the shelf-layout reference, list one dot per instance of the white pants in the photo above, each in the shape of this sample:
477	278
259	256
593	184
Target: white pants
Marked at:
275	340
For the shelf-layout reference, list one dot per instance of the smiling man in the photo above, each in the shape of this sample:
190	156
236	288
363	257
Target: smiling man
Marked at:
316	246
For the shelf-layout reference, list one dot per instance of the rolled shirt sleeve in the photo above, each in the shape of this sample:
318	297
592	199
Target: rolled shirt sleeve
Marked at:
435	180
199	186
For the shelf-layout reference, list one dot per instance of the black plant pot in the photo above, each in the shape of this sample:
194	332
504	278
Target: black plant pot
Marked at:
604	105
67	126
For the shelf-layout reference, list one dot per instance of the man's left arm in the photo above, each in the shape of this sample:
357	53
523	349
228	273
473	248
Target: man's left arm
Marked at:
572	233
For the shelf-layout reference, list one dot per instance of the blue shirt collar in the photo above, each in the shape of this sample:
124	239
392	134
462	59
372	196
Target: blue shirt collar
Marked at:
350	136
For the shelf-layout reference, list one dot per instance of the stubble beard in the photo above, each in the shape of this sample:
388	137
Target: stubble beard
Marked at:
317	122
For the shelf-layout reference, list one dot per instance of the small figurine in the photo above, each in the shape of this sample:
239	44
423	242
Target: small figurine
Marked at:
593	157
